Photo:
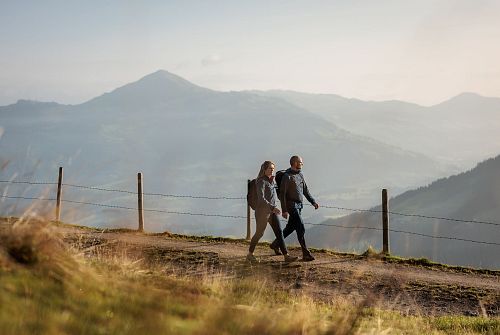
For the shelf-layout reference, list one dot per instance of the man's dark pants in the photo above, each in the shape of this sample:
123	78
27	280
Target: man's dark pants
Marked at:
295	223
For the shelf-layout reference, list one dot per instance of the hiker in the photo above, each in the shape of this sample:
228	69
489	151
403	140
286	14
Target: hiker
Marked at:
266	210
292	187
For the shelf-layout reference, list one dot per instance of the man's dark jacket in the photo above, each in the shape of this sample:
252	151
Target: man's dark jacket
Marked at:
292	187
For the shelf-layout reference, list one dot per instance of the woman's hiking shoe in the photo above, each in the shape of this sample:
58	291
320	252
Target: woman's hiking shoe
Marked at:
276	250
289	259
251	258
308	258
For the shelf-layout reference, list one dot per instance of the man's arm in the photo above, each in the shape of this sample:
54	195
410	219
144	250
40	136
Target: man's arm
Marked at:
308	195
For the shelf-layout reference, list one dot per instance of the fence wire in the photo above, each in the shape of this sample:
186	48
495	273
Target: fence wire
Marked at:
27	182
98	188
244	217
410	215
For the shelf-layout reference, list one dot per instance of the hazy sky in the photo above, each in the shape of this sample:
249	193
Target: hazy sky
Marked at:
419	51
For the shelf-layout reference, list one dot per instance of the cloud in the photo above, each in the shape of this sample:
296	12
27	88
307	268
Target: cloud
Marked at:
212	59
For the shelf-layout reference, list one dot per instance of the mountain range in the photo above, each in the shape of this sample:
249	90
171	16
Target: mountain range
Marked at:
462	130
192	142
472	198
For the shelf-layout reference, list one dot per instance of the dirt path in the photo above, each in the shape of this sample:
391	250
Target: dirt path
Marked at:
406	288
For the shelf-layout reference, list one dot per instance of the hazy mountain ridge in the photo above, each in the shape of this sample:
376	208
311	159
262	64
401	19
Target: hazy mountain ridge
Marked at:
191	140
24	106
473	195
462	130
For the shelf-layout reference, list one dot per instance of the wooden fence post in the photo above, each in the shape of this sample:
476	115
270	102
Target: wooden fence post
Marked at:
248	213
140	201
59	194
385	222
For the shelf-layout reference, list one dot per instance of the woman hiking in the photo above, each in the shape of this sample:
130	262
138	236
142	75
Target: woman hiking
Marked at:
266	210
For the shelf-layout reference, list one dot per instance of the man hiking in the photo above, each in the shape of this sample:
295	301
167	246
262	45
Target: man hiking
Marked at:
266	211
292	187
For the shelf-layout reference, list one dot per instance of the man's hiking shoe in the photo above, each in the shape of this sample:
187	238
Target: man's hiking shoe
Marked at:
289	259
277	251
308	258
251	258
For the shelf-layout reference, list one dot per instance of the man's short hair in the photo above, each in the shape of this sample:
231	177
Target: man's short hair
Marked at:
293	159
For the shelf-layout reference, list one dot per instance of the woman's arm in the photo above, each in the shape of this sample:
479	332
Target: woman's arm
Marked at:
261	187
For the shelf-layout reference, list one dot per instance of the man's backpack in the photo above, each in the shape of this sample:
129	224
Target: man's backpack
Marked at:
278	178
252	193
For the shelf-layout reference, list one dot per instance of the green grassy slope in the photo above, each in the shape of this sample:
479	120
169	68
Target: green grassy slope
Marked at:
48	287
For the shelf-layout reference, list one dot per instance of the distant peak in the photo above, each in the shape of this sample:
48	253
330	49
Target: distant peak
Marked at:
164	75
160	71
164	78
467	95
27	102
160	85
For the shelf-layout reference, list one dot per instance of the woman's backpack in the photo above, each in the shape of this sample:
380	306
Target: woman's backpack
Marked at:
252	193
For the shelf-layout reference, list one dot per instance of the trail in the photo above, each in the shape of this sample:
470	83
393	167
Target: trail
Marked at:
409	289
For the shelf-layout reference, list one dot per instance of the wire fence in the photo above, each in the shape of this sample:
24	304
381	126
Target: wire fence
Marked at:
412	215
241	198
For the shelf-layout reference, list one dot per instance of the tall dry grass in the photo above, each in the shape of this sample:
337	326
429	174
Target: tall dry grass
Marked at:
50	287
34	242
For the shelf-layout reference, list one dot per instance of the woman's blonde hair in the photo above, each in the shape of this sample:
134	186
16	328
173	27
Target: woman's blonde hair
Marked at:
264	167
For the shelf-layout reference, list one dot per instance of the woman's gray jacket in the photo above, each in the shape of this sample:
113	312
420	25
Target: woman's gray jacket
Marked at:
266	195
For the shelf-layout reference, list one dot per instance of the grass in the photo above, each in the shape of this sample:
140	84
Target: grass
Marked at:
48	287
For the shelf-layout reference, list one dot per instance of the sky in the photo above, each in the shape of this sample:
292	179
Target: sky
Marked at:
424	51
